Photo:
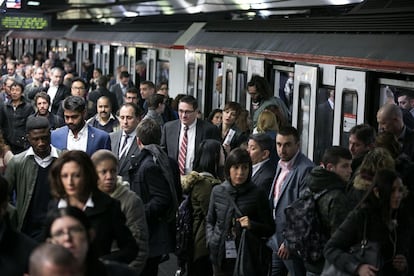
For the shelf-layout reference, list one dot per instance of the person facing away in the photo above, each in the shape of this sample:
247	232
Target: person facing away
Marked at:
154	178
330	179
288	185
27	174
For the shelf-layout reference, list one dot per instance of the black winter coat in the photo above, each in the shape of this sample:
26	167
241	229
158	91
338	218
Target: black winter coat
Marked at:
251	201
351	233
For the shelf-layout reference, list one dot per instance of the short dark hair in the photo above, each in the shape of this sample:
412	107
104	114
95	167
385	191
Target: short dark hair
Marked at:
236	157
133	90
264	141
102	81
289	130
37	122
149	132
154	100
137	109
262	86
87	169
19	84
150	84
74	103
334	154
42	95
105	98
188	99
78	79
364	133
208	157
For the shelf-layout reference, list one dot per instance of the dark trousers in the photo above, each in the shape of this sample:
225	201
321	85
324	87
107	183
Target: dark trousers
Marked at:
151	267
226	268
200	267
280	267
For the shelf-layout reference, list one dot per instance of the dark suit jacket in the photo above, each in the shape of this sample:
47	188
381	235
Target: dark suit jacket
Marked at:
408	143
265	175
293	186
116	88
97	139
61	94
125	162
171	136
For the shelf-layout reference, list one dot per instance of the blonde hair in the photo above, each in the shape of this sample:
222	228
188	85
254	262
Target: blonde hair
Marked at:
267	121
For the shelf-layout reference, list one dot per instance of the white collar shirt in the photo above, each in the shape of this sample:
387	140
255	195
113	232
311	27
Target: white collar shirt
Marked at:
80	142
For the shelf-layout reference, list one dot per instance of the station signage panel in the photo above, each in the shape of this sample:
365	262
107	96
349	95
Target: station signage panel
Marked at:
24	22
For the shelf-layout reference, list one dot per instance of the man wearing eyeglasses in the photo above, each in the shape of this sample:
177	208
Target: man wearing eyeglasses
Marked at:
188	128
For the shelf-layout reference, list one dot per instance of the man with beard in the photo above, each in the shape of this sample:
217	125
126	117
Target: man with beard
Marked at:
42	103
77	135
27	174
262	97
104	119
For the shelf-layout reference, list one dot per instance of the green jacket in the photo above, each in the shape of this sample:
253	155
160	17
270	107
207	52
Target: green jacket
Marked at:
21	175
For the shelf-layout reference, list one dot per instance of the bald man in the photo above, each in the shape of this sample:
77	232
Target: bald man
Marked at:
390	119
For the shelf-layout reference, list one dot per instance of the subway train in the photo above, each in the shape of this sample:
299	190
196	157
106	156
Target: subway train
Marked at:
360	59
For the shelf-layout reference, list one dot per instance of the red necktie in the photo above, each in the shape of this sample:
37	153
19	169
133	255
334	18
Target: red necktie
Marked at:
183	152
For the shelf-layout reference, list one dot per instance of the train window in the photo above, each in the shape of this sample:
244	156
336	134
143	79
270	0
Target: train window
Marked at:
348	114
200	81
304	114
241	88
324	122
150	69
190	78
229	85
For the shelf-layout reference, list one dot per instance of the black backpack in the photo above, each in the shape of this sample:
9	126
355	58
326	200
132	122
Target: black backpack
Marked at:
303	230
184	231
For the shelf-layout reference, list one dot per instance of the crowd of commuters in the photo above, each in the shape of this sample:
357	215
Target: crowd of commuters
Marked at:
94	170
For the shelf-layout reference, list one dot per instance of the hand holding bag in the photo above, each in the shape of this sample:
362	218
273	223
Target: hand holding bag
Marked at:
367	252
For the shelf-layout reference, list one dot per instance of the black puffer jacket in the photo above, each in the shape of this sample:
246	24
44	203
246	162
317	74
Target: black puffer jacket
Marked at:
251	201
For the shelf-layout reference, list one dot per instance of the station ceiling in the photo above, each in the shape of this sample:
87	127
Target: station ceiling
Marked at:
112	11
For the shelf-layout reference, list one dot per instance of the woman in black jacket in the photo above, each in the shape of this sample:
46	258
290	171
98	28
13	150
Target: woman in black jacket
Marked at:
385	223
73	180
224	226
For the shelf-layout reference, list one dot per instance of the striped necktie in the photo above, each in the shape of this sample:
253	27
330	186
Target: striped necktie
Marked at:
183	152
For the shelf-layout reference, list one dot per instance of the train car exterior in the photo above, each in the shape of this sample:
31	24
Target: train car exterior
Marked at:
357	62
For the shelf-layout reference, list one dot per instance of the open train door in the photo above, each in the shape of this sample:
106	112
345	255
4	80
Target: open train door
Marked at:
349	108
304	105
151	64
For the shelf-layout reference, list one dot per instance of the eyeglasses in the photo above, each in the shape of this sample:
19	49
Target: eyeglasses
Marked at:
74	231
78	88
185	112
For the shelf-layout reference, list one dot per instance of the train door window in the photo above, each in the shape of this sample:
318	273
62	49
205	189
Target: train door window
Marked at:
350	104
348	114
217	84
229	85
200	82
241	88
304	114
190	78
323	122
163	71
283	84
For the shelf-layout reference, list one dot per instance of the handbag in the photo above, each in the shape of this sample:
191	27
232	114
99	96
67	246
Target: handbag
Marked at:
244	265
367	252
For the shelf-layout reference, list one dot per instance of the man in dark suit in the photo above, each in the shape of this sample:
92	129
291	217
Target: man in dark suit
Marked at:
260	147
289	183
325	115
197	131
390	119
123	142
57	91
77	135
120	88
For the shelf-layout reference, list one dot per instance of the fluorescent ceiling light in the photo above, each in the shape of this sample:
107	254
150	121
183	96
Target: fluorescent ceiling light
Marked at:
130	14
